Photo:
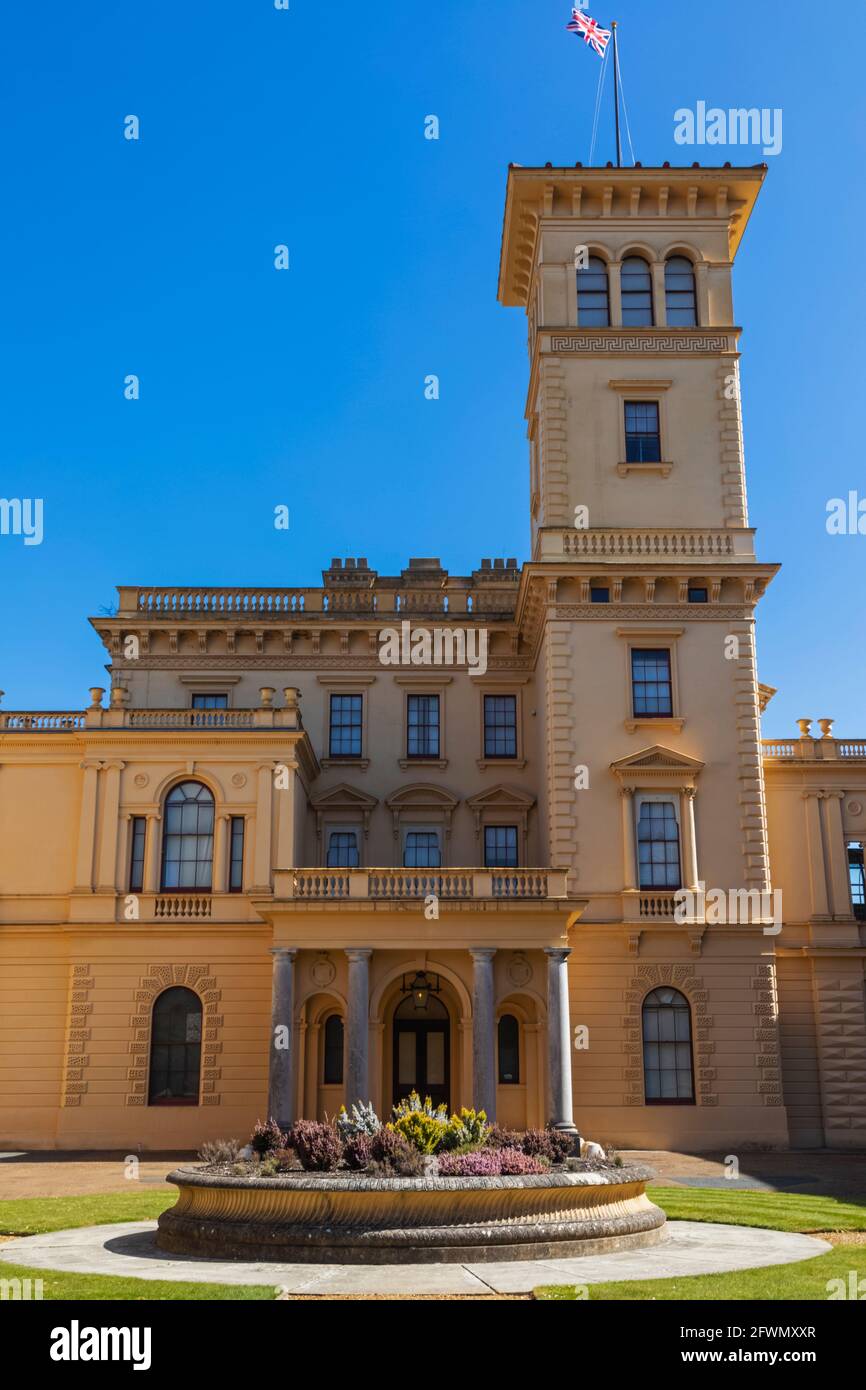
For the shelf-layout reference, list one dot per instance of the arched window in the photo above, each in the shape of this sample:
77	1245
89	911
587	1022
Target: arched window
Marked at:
187	840
680	297
593	306
637	293
332	1064
175	1048
509	1050
668	1072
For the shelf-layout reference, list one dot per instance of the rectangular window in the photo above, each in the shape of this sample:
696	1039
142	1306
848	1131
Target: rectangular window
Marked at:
342	849
658	840
500	846
236	855
500	726
346	726
857	880
642	437
421	850
136	860
422	731
652	692
599	595
204	701
697	595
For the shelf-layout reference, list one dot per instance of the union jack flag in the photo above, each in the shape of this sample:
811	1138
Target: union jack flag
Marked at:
581	24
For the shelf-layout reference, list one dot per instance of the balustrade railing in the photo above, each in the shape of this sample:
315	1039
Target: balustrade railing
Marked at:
448	884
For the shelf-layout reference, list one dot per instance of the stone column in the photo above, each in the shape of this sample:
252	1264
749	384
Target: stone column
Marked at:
358	1031
838	847
264	804
660	304
629	867
108	839
483	1032
817	873
614	287
559	1038
282	1041
151	853
219	876
690	844
86	830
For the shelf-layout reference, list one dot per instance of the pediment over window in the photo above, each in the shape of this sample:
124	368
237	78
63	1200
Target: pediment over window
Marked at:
501	798
422	797
657	764
343	800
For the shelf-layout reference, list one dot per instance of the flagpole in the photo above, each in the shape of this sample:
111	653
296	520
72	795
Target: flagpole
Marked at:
616	96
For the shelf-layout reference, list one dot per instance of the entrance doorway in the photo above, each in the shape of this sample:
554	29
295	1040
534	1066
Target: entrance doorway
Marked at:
422	1050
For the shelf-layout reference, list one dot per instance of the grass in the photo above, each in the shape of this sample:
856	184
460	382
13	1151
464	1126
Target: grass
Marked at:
778	1211
105	1288
30	1216
33	1216
774	1211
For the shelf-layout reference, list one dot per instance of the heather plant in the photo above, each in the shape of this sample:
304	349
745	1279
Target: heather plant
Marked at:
420	1122
357	1151
515	1163
469	1129
480	1163
393	1156
317	1144
499	1138
560	1145
489	1163
220	1151
362	1119
266	1137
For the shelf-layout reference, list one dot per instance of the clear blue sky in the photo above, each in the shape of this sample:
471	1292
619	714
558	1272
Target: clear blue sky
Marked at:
306	388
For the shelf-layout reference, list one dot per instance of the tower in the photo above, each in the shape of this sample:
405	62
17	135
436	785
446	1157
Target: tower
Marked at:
639	598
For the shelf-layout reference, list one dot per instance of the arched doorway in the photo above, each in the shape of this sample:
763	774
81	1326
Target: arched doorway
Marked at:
422	1049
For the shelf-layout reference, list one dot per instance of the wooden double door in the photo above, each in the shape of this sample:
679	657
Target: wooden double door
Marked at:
422	1053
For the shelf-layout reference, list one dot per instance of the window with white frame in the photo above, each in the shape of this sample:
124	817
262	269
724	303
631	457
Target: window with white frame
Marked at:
658	843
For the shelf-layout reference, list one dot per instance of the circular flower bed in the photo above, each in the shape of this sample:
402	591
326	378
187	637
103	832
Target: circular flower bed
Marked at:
424	1187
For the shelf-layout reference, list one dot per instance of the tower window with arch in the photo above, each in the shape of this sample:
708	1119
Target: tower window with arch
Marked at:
668	1066
593	301
187	841
332	1051
175	1048
637	293
681	301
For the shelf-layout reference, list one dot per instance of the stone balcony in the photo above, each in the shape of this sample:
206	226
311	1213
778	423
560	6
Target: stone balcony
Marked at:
810	750
646	545
117	716
395	884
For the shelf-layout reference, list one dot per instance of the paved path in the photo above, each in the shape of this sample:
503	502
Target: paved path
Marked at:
692	1248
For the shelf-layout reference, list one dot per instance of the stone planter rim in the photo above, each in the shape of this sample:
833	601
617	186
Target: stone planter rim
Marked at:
329	1182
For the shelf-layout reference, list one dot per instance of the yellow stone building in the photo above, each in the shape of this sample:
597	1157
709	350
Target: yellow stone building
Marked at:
512	837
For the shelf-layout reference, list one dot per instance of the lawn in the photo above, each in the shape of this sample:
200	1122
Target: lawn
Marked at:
30	1216
778	1211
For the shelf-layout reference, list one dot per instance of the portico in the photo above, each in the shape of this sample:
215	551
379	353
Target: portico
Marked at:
373	1000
